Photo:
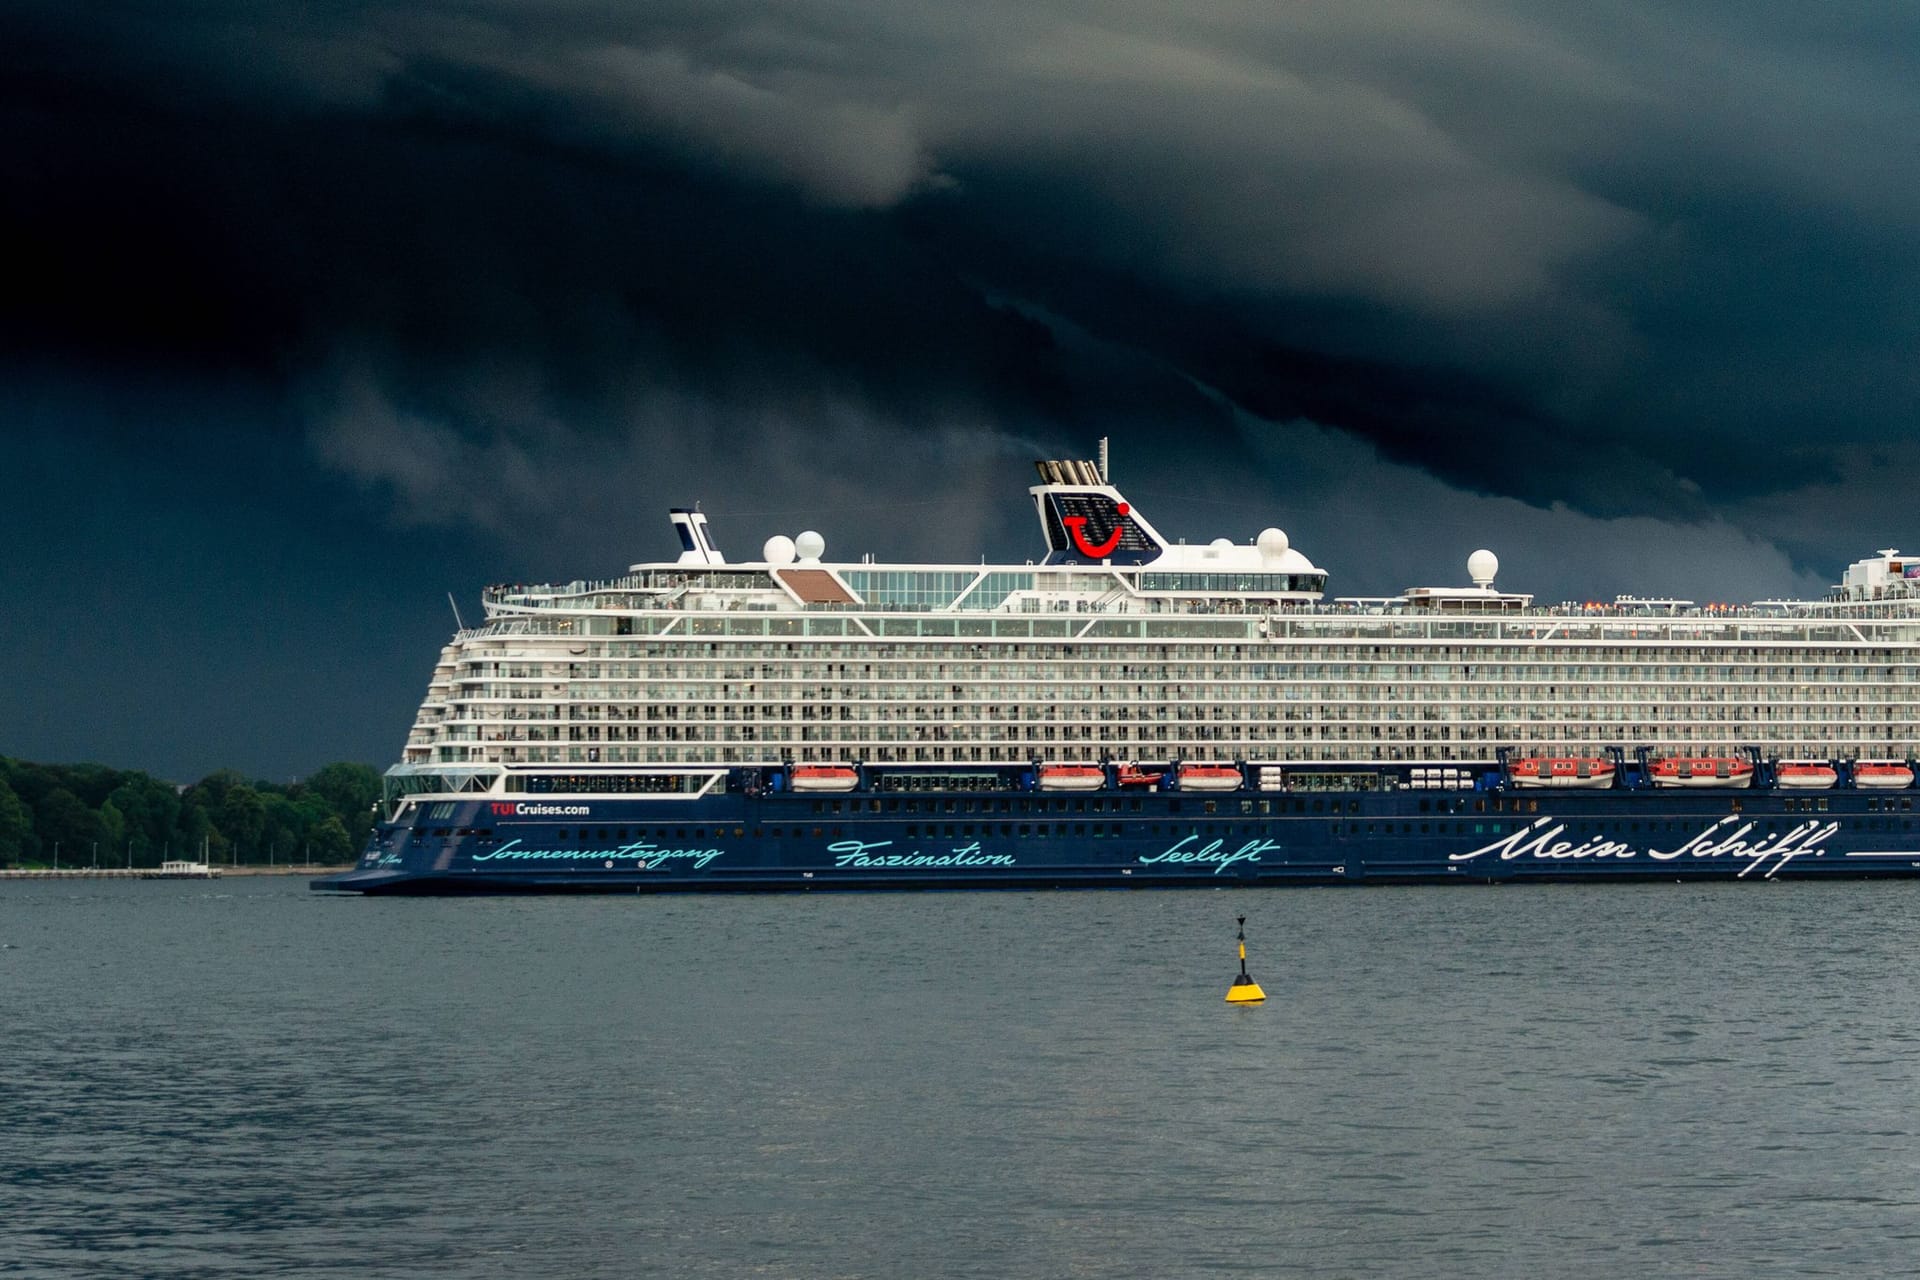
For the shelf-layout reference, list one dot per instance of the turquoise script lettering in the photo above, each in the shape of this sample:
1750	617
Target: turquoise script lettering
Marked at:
650	855
1215	853
857	853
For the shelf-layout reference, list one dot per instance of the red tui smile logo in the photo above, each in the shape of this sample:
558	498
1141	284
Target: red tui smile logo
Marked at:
1077	530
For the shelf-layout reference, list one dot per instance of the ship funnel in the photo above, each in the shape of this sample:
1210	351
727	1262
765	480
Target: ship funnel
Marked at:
695	542
1086	520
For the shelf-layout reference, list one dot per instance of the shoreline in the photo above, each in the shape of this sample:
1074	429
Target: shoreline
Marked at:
150	873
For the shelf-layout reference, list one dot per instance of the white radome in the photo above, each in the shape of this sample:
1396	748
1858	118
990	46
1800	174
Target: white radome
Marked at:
808	547
779	549
1272	543
1481	566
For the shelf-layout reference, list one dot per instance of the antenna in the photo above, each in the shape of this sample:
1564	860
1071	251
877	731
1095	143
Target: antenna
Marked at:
456	613
1103	461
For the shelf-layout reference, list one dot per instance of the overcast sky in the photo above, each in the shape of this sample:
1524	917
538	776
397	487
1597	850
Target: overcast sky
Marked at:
316	313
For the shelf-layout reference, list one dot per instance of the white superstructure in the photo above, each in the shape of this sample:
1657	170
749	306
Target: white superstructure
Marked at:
1123	645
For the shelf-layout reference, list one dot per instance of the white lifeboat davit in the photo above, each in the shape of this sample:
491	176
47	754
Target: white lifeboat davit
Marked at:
824	777
1561	771
1702	771
1072	777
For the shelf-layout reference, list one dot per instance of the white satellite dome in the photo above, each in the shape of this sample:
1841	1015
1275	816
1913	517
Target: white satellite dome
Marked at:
808	547
1481	566
779	550
1219	546
1272	543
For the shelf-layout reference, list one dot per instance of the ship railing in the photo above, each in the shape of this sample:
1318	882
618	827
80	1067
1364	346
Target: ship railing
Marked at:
523	617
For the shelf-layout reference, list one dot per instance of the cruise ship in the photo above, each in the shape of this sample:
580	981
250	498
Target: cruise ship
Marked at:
1131	711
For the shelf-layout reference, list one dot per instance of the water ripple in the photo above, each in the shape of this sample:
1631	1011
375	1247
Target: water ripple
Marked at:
1567	1081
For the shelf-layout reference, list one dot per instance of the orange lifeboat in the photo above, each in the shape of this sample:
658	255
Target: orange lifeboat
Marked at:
1561	771
824	777
1209	777
1805	775
1882	775
1072	777
1132	775
1702	771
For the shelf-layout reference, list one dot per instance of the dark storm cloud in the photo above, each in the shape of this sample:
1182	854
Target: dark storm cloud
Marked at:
1587	277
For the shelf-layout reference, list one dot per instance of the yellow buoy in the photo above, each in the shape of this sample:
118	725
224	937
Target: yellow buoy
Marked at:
1244	989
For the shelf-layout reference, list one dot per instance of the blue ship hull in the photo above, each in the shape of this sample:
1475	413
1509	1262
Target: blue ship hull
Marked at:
755	838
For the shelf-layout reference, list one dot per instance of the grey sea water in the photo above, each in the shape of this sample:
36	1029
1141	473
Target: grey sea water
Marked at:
246	1079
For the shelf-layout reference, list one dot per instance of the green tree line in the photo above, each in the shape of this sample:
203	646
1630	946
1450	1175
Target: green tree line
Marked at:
83	812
